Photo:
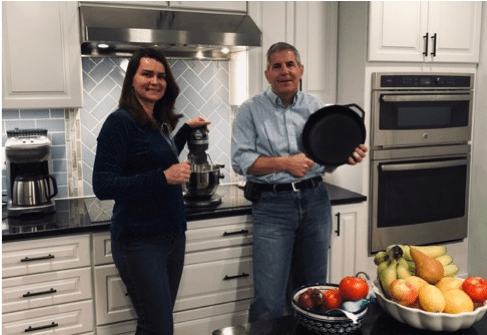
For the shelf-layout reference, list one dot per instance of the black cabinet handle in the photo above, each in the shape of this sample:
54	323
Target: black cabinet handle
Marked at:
425	37
28	294
338	224
243	275
243	231
27	259
33	329
434	45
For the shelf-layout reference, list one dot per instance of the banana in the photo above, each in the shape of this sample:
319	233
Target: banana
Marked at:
407	255
411	266
386	272
451	270
403	269
380	257
445	259
431	250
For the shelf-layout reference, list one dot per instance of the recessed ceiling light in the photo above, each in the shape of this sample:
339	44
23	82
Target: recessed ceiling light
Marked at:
225	50
103	46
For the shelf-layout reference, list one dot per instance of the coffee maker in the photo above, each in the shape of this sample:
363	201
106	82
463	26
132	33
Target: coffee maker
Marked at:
205	176
30	185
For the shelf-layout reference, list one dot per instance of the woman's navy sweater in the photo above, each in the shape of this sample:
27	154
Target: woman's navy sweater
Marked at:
129	168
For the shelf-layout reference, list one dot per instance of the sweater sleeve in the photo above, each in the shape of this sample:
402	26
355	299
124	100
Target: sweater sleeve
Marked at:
112	152
182	137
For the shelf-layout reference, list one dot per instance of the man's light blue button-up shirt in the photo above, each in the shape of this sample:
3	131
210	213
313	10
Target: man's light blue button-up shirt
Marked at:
264	127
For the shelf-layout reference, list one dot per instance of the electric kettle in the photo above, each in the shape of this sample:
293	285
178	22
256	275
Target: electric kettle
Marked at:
33	189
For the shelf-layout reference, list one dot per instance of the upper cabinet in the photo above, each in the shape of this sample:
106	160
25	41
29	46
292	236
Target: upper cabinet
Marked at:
41	59
424	31
311	26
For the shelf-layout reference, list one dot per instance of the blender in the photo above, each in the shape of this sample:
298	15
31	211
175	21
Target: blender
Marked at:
205	176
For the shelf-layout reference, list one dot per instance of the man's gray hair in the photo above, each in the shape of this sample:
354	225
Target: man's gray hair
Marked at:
279	46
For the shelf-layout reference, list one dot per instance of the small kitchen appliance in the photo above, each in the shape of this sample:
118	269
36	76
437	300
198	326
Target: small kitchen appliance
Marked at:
30	186
205	176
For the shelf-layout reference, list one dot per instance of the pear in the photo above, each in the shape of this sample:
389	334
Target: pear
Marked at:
427	267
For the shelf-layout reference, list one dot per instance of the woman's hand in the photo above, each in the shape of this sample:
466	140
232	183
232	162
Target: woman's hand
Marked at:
358	155
199	122
178	173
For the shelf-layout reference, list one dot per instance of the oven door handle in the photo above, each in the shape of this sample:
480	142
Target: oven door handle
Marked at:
432	97
421	166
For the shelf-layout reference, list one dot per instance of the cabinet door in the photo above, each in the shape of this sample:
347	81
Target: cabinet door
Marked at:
41	55
45	255
239	6
347	239
65	319
46	289
396	30
457	28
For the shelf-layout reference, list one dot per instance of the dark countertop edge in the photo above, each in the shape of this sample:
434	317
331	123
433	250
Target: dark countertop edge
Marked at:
338	195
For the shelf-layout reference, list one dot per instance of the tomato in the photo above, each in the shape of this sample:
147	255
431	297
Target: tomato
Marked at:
476	288
353	288
331	300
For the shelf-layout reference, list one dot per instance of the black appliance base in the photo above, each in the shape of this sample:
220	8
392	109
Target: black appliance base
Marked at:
199	202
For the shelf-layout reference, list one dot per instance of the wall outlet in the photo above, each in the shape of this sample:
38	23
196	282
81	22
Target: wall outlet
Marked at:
4	159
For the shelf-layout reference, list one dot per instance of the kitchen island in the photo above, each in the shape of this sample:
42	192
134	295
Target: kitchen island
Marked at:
88	214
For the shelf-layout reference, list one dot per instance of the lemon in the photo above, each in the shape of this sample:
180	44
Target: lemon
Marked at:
431	299
457	301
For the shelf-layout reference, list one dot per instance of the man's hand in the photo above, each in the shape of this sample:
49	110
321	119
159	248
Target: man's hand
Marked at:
358	155
299	165
178	173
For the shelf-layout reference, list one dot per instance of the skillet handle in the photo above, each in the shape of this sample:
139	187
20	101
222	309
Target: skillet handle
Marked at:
357	109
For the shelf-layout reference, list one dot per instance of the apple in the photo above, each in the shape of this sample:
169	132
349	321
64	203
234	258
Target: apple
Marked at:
305	300
403	292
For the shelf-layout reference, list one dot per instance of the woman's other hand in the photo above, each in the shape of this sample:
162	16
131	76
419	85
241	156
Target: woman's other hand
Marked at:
199	122
178	173
358	155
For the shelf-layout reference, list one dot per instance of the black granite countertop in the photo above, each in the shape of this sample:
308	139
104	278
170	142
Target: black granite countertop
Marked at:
376	322
84	215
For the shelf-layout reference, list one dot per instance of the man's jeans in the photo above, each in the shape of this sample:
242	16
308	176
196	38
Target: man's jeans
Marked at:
151	271
291	236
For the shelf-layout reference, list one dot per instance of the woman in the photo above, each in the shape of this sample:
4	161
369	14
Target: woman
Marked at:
137	165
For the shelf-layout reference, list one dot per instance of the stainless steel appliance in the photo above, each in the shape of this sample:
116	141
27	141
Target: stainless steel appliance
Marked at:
30	186
420	158
420	109
205	176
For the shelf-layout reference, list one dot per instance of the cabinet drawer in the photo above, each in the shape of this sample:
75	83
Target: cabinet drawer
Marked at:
102	248
219	237
45	289
65	319
43	255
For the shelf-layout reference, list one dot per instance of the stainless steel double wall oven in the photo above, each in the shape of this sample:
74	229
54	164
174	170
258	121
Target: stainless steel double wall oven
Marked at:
420	158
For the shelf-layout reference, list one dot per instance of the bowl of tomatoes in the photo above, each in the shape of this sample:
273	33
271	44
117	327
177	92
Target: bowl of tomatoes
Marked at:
332	308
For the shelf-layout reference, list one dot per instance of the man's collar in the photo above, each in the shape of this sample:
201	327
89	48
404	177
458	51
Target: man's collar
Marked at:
276	100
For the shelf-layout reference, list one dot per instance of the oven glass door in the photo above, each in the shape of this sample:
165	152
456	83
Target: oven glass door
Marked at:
421	119
419	192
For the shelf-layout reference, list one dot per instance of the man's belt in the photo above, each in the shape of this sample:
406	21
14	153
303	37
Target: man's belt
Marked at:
296	186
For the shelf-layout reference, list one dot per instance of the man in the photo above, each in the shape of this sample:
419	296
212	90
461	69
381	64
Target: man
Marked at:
291	209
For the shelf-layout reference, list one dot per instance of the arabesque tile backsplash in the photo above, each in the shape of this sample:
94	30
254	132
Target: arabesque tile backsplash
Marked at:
73	132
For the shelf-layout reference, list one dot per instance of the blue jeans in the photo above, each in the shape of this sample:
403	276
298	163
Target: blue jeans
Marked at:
151	271
291	237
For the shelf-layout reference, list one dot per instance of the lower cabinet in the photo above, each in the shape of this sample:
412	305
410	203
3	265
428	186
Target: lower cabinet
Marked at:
215	290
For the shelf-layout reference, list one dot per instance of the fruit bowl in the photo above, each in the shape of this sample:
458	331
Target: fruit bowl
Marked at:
325	322
426	320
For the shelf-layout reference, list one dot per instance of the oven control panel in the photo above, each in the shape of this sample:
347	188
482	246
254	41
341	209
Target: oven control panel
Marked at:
421	81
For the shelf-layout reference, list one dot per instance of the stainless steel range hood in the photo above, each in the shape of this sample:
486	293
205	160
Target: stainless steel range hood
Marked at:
119	31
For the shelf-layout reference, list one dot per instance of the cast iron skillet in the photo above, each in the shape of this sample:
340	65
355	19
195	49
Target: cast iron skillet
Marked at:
331	134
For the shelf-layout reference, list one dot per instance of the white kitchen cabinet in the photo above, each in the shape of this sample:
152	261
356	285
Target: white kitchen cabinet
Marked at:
424	31
347	241
47	286
311	26
215	290
237	6
41	55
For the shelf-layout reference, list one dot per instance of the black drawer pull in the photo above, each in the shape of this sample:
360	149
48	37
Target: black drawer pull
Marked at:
28	294
243	231
33	329
243	275
27	259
